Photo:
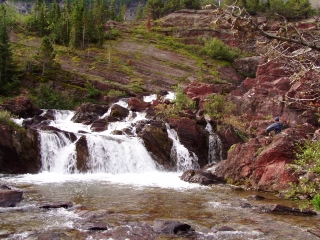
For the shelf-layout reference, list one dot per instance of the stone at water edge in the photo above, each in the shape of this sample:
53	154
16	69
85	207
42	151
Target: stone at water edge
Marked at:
10	198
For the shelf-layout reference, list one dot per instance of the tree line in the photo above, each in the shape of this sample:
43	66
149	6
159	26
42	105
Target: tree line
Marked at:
289	9
74	24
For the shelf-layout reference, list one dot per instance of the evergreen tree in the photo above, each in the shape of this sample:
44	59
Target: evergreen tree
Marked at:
155	7
46	54
191	4
139	12
77	24
54	22
6	63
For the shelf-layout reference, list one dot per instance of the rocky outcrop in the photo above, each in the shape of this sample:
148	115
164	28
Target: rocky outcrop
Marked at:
158	144
137	105
87	113
119	112
82	154
262	161
21	107
19	150
192	136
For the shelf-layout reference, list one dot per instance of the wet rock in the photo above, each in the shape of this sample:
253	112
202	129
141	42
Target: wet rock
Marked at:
99	226
119	112
21	148
246	205
50	114
10	198
315	232
88	113
65	205
132	231
276	208
171	227
255	197
35	121
194	137
226	229
157	143
201	177
82	154
99	125
135	104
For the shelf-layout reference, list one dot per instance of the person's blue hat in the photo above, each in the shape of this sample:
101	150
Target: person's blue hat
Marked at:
276	119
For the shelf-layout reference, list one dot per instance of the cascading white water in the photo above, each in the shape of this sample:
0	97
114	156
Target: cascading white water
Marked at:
215	146
57	153
107	153
185	159
118	154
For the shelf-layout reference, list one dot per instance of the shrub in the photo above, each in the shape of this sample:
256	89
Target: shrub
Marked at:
48	98
309	156
218	50
5	117
217	106
316	202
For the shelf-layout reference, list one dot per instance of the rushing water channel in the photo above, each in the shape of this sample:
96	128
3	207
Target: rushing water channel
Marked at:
125	183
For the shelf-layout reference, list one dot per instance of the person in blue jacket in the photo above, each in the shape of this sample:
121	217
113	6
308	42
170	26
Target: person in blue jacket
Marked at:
277	126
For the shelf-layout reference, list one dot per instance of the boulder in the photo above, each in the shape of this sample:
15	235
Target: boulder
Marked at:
88	113
157	143
137	105
119	112
99	125
10	198
201	177
82	154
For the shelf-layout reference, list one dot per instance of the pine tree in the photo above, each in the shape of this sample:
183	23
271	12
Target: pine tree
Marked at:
77	24
5	52
46	54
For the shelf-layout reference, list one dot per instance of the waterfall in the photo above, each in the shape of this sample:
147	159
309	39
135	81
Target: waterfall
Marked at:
57	153
118	154
184	159
215	146
105	152
108	153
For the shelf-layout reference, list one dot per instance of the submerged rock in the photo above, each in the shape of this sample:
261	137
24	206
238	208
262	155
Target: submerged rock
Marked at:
57	205
10	198
171	227
277	208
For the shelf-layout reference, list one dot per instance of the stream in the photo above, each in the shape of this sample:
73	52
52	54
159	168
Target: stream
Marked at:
124	189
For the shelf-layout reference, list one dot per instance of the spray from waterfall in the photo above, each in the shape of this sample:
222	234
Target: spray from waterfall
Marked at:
215	145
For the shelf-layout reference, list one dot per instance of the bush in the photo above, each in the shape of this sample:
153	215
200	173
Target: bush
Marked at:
5	117
309	156
217	106
217	49
47	98
316	202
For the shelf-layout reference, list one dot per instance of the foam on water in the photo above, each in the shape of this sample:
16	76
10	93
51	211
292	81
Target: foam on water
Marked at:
170	180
